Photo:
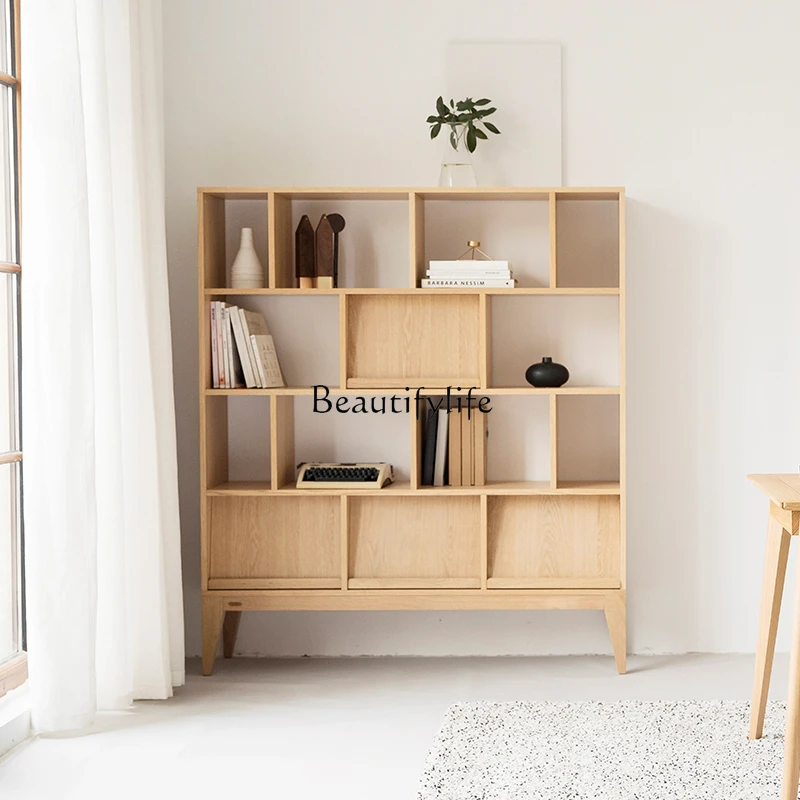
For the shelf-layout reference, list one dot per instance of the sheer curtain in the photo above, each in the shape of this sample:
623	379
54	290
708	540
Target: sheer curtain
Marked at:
104	604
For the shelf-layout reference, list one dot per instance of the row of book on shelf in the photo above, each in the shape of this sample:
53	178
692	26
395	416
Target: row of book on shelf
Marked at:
243	352
468	273
454	447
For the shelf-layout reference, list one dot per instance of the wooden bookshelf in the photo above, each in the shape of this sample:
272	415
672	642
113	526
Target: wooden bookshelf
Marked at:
557	543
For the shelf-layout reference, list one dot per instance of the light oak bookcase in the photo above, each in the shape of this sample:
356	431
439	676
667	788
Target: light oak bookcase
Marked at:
557	544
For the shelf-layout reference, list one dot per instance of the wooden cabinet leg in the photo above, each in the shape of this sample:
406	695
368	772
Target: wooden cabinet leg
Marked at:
791	752
615	619
771	594
213	614
230	628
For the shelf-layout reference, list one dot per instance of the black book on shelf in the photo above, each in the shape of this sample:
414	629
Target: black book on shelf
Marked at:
429	450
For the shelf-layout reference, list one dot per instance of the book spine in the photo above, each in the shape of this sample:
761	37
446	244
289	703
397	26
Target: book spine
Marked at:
468	264
469	274
237	369
226	326
454	459
466	448
429	451
242	347
214	353
480	448
432	283
223	382
259	368
441	449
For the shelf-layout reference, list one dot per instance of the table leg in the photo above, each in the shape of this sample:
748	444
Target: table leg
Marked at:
771	594
791	752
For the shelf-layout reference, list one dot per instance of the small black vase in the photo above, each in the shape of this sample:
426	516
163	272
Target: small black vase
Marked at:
546	374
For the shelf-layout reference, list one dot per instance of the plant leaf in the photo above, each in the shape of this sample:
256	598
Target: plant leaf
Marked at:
435	130
480	134
432	119
453	139
486	111
451	101
461	105
490	127
472	142
483	102
441	107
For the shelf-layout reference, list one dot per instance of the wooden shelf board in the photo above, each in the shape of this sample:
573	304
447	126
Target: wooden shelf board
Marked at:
241	488
433	383
274	583
414	583
524	488
413	599
513	390
245	488
588	487
424	391
521	291
426	192
552	583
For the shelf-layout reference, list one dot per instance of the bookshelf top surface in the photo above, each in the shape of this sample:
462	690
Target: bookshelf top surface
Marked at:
425	192
403	488
519	291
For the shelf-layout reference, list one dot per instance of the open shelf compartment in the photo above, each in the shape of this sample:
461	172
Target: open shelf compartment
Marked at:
373	247
513	230
223	217
587	241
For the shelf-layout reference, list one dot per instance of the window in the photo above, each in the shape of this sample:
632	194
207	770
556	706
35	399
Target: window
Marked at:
13	663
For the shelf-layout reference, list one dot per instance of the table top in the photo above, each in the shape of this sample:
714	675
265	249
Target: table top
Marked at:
783	490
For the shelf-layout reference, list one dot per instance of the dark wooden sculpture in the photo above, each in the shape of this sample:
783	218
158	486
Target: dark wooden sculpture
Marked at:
326	250
304	254
337	223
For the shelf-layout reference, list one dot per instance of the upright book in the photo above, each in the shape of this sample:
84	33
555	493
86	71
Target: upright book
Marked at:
244	348
269	370
440	460
454	447
254	324
429	450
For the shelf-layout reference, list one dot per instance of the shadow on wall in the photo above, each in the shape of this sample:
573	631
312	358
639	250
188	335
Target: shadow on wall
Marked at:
671	382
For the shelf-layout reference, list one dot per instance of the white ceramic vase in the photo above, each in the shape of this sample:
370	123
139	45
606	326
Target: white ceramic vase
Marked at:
247	272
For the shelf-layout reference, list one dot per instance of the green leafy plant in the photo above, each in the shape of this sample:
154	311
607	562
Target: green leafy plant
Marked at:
464	119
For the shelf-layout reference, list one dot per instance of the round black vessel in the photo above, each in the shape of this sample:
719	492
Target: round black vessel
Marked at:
547	374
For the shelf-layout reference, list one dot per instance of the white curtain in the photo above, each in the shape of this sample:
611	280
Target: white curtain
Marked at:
104	604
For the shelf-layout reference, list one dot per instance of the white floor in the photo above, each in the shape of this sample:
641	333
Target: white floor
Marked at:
328	728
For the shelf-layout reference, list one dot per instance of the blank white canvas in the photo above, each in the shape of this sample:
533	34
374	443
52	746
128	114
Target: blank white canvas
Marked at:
523	81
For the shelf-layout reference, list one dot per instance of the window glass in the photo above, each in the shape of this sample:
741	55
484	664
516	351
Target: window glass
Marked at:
10	628
8	192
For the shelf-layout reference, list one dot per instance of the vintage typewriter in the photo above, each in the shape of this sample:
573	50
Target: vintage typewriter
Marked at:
319	475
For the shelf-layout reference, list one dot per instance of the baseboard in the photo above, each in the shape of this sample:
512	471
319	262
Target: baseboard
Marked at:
15	719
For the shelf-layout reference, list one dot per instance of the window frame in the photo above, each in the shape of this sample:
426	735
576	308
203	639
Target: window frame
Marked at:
14	669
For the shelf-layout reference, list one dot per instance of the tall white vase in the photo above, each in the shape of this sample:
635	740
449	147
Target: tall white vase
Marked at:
247	272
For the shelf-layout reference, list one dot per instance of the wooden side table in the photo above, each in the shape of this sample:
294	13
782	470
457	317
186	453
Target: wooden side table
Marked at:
783	492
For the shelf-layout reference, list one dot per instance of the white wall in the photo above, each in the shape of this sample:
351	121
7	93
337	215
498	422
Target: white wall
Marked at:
692	105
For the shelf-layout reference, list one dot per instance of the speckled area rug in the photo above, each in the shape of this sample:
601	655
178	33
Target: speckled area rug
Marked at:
604	751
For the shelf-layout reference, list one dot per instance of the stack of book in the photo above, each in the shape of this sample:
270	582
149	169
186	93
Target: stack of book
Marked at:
468	274
242	351
454	448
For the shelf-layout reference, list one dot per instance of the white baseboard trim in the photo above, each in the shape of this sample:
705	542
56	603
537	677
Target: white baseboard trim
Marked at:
15	719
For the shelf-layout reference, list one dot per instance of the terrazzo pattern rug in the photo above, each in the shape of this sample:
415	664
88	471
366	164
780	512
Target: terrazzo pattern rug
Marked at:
604	751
